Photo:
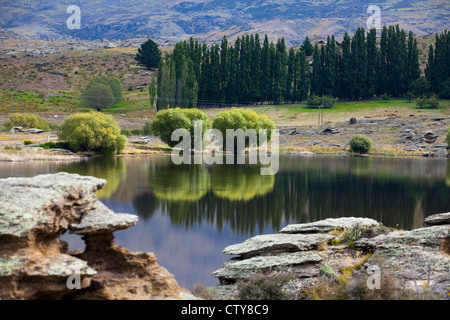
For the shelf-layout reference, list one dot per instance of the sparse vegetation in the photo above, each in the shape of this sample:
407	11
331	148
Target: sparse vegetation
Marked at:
265	287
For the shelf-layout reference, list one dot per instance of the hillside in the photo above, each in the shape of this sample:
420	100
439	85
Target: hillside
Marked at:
209	20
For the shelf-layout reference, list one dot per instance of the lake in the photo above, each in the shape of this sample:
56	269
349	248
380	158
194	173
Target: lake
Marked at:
189	213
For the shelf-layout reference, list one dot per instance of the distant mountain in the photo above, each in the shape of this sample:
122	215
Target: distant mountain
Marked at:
209	20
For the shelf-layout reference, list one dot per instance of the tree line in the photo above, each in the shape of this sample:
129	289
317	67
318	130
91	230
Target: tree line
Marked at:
254	71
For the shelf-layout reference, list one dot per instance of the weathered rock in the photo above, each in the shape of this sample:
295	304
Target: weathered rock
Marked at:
439	150
418	259
100	219
273	243
437	219
327	225
15	129
304	264
330	130
35	264
33	130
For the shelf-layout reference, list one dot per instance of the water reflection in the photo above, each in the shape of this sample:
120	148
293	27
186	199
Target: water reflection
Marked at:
188	214
112	169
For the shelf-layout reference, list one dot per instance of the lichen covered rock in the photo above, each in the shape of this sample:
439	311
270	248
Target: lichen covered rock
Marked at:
36	264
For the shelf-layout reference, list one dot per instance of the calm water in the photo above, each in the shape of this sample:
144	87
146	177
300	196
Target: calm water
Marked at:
189	214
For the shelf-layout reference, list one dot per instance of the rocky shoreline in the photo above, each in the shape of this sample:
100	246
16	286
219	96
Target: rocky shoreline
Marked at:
335	258
36	264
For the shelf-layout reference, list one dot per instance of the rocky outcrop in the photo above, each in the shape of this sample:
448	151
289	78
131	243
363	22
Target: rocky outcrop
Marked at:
36	264
336	251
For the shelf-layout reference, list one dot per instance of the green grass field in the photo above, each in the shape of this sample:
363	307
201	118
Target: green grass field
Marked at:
136	103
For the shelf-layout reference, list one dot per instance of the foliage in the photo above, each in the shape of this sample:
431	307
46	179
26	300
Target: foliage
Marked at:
431	102
251	71
92	132
167	121
409	96
445	91
27	120
448	137
350	236
360	144
316	101
126	132
103	92
307	47
420	87
438	65
244	119
149	54
54	145
147	129
265	287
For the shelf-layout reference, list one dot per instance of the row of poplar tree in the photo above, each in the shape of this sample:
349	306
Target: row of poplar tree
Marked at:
249	72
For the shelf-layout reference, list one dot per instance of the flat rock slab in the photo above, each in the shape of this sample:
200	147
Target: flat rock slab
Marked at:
328	225
437	219
242	269
274	243
101	219
26	203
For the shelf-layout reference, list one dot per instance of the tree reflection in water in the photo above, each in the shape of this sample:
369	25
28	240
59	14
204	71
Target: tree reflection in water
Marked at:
392	191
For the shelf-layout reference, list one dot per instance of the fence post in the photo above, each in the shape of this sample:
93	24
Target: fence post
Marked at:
12	101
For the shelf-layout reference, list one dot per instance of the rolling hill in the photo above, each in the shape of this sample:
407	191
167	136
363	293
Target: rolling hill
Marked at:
209	20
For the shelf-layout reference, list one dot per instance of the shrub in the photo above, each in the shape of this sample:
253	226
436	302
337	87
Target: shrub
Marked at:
409	96
147	129
316	101
386	97
265	287
103	92
92	132
27	120
432	101
243	119
420	87
167	121
421	102
98	96
126	132
360	144
54	145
